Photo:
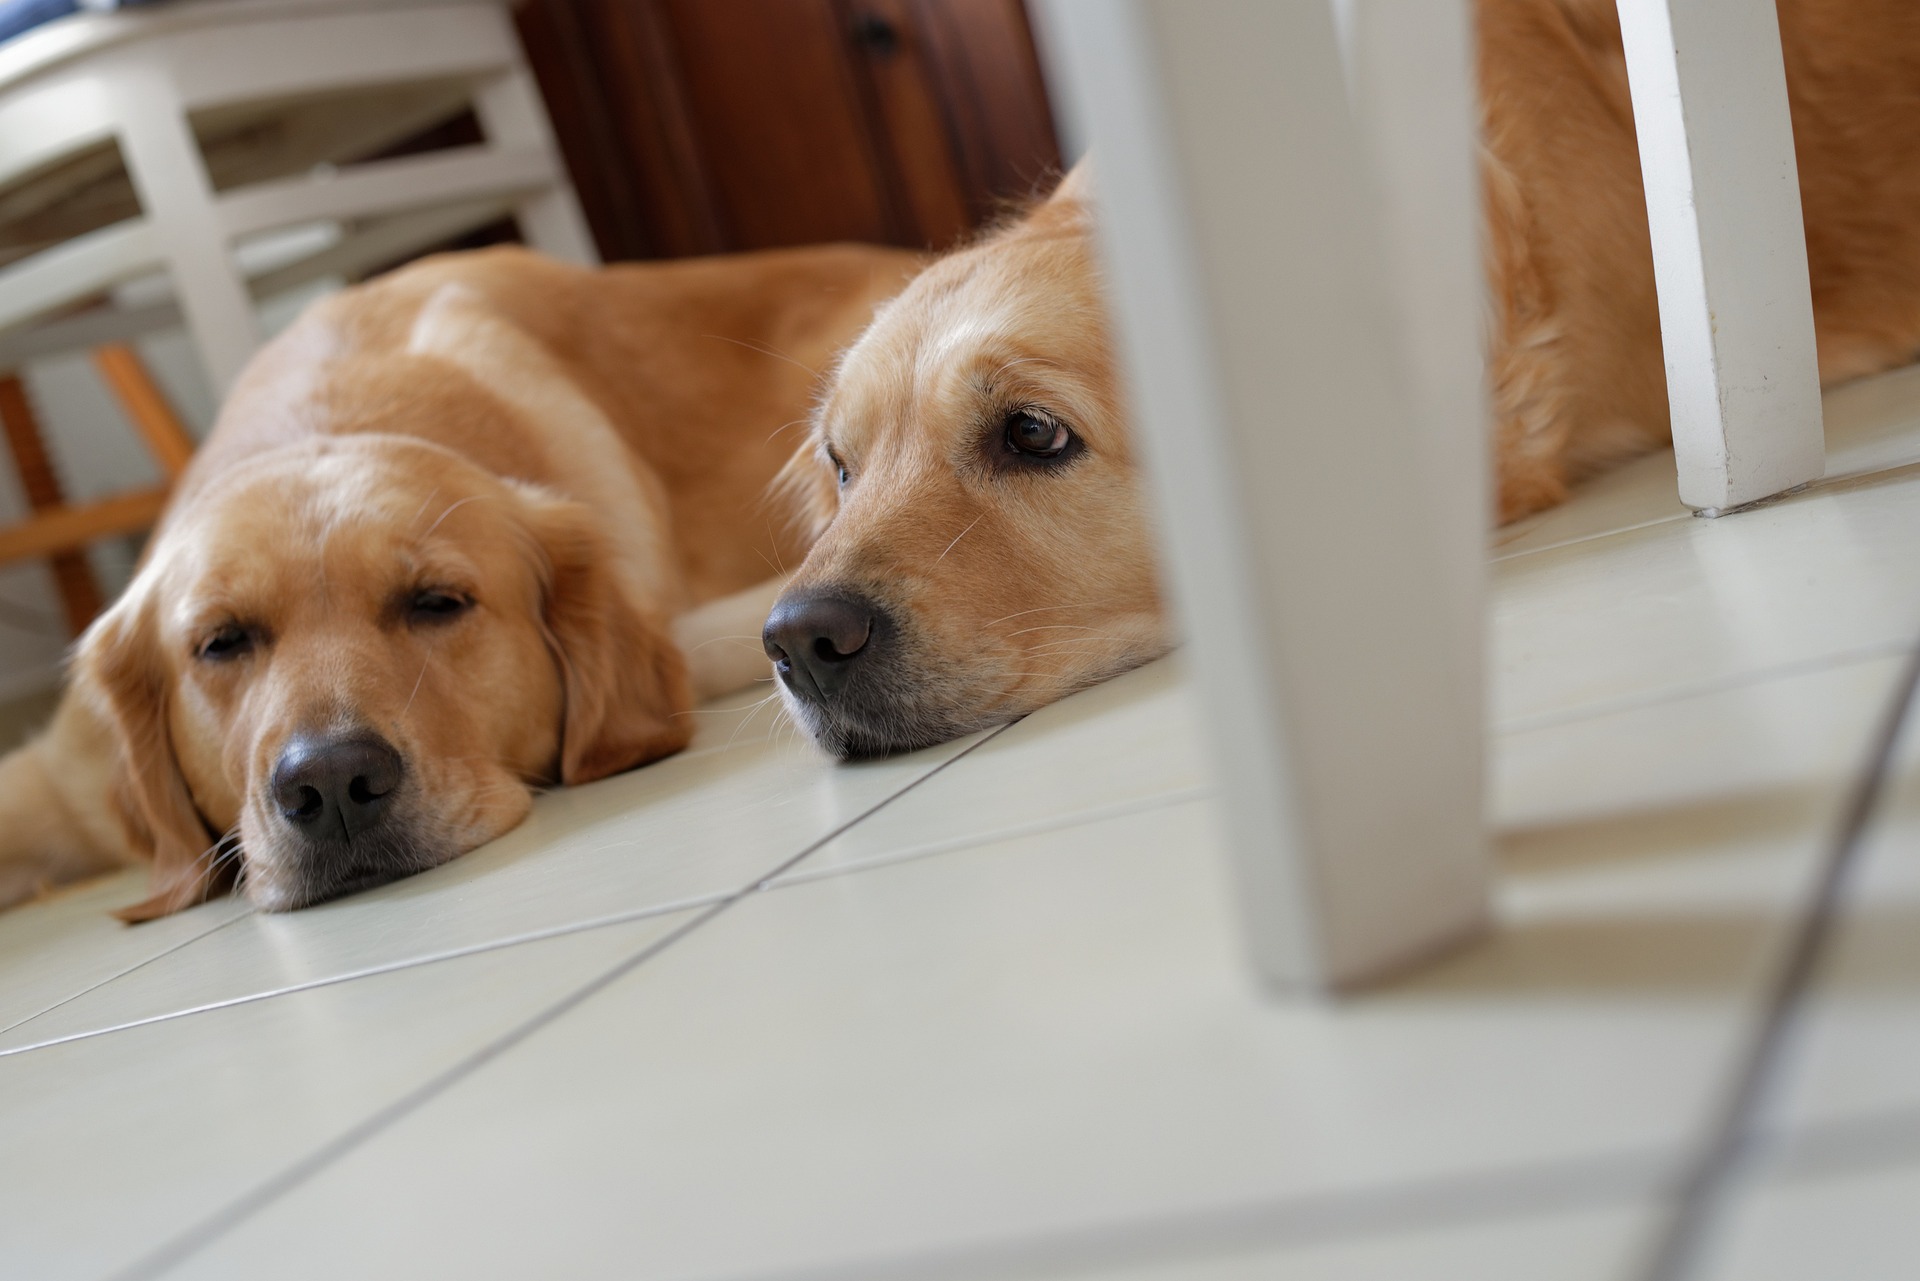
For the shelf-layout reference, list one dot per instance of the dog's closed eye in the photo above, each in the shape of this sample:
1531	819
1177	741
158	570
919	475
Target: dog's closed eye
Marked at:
431	606
225	643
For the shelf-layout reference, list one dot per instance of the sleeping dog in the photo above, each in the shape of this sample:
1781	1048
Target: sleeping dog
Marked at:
982	547
431	558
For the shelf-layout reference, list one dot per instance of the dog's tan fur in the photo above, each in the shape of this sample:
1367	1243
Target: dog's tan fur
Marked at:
1051	585
1575	366
583	455
1009	587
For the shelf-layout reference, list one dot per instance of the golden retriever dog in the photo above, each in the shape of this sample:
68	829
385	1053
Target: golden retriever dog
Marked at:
982	548
431	558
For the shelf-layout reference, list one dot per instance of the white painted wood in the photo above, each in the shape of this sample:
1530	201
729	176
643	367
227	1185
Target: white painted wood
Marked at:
177	198
1314	549
1409	80
387	186
137	75
1729	249
78	268
339	51
513	116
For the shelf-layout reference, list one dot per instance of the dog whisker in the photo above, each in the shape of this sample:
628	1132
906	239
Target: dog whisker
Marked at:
957	537
764	350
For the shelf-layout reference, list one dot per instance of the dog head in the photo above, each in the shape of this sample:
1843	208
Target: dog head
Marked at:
352	660
983	546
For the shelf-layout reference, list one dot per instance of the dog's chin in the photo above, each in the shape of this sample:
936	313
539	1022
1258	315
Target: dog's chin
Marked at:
854	731
288	880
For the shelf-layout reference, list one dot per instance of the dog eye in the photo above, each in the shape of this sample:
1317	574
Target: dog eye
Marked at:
229	642
1036	435
435	607
844	473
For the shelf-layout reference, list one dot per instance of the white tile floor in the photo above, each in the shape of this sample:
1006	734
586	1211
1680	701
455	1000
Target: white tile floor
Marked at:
981	1011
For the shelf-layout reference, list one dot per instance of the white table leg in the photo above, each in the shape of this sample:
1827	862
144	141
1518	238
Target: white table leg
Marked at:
1729	250
170	178
1318	547
513	117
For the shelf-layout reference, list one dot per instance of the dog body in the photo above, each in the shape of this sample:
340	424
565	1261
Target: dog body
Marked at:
1575	370
431	556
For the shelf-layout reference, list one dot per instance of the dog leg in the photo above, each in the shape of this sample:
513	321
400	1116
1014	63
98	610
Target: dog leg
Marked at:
721	639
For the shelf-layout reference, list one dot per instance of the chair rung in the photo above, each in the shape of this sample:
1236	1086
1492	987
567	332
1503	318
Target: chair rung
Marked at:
68	528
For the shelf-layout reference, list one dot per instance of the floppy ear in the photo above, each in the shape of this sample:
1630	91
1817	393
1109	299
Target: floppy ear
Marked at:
626	685
119	666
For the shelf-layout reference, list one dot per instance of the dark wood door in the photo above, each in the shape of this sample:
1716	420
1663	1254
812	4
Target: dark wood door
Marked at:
701	126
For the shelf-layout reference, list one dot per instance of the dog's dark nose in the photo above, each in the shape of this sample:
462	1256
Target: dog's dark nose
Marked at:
334	787
817	639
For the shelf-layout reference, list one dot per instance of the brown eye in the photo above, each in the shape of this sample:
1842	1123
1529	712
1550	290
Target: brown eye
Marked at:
227	643
1038	436
437	607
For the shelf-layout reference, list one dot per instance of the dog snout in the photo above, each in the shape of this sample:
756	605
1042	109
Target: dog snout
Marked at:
819	639
335	787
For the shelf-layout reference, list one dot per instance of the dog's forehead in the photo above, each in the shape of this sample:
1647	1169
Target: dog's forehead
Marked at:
350	520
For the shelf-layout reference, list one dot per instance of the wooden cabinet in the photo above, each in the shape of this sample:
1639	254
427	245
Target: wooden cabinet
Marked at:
700	126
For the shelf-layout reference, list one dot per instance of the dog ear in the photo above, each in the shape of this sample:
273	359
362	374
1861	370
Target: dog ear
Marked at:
1076	187
119	667
627	693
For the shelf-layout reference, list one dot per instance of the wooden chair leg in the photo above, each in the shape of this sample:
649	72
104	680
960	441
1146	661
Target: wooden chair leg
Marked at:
72	574
133	386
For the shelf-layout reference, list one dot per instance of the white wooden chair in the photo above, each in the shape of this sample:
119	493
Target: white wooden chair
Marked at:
1292	234
236	118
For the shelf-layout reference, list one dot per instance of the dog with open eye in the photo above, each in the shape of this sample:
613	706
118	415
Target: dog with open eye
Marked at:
981	541
457	534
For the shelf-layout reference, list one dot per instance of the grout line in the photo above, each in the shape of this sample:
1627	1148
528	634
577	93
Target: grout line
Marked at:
200	1234
1078	818
1679	1245
1825	484
1698	689
373	971
114	977
430	958
1578	539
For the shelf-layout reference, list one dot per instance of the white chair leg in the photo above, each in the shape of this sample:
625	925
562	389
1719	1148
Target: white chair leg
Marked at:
1315	550
171	180
1729	250
513	116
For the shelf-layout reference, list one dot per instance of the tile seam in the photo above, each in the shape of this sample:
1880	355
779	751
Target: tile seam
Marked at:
237	1211
432	958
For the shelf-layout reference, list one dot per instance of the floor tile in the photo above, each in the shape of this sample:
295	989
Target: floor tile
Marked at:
1121	747
64	945
1857	1036
684	831
1587	1245
1695	604
1858	1225
1872	424
1054	1034
115	1144
1752	759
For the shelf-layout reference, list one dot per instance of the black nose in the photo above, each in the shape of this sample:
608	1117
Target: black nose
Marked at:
334	787
818	639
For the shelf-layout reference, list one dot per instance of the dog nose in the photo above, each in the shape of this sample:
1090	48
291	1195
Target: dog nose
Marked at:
817	639
335	786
